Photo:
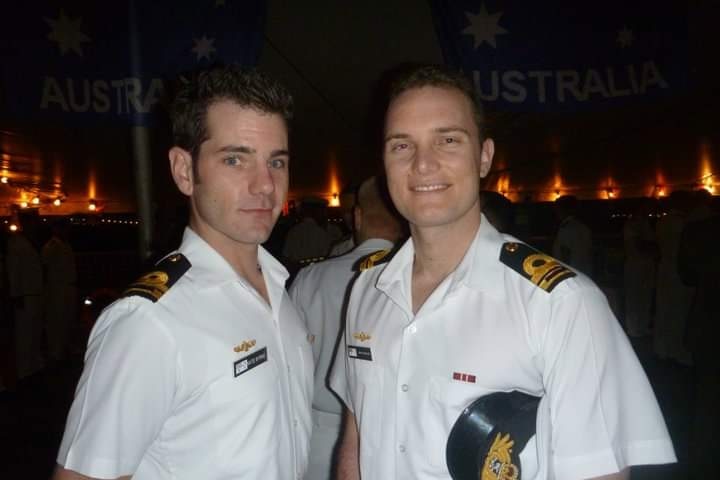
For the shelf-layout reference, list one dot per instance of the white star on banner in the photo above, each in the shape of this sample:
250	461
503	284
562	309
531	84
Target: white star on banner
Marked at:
484	27
204	47
625	37
66	32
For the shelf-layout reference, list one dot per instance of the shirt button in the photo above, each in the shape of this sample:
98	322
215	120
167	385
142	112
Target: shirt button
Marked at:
412	329
405	387
295	422
402	448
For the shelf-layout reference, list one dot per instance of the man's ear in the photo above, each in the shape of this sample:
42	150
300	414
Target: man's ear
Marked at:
486	156
181	169
357	218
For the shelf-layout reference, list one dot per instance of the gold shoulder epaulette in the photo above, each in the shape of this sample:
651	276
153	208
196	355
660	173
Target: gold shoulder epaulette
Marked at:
542	270
369	261
154	284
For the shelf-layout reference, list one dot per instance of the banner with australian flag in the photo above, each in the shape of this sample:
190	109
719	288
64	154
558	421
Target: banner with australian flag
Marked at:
565	55
87	61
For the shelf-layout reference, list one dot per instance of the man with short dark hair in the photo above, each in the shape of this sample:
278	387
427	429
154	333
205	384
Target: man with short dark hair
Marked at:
462	312
203	369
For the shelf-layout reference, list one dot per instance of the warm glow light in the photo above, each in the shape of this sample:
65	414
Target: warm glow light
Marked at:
92	184
334	186
503	184
36	200
57	202
23	204
13	227
92	206
4	179
610	193
660	191
553	189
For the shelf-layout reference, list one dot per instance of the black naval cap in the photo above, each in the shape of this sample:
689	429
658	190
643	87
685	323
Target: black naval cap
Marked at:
488	436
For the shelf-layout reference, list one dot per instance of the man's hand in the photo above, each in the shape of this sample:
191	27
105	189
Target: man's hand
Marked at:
348	467
623	475
63	474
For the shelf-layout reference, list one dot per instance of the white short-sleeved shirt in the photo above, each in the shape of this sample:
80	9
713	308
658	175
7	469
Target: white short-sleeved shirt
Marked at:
208	382
489	324
319	292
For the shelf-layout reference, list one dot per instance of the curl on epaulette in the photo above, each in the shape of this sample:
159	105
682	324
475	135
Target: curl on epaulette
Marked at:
369	261
542	270
154	284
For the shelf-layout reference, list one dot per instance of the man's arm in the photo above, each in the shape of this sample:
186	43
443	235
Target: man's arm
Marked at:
62	474
622	475
348	465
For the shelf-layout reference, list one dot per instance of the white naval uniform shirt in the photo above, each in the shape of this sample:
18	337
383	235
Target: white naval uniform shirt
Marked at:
598	413
165	393
319	292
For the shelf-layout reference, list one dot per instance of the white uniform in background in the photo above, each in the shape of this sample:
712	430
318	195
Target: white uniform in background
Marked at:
25	285
319	292
488	328
673	297
60	294
206	382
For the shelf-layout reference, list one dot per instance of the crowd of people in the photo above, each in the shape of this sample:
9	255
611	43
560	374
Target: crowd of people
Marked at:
369	348
39	299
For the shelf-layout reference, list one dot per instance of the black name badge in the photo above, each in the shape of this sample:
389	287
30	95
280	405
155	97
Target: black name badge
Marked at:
361	353
251	361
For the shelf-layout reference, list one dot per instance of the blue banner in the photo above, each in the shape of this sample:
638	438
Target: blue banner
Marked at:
565	55
86	61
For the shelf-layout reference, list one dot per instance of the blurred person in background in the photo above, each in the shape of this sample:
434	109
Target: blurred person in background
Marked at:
319	292
639	270
573	242
698	266
25	289
672	298
60	290
309	239
498	210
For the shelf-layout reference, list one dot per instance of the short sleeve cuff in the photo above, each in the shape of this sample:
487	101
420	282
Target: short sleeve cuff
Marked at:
651	452
102	468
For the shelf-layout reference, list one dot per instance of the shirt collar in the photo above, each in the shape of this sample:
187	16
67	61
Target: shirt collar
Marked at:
479	269
375	244
210	269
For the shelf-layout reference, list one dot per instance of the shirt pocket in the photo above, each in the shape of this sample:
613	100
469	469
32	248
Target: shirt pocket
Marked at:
239	402
448	399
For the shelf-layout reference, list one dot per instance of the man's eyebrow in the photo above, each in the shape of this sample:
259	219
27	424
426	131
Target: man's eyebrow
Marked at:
397	136
452	129
236	149
280	153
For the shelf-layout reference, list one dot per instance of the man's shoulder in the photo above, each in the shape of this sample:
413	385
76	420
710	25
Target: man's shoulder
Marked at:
535	268
155	283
